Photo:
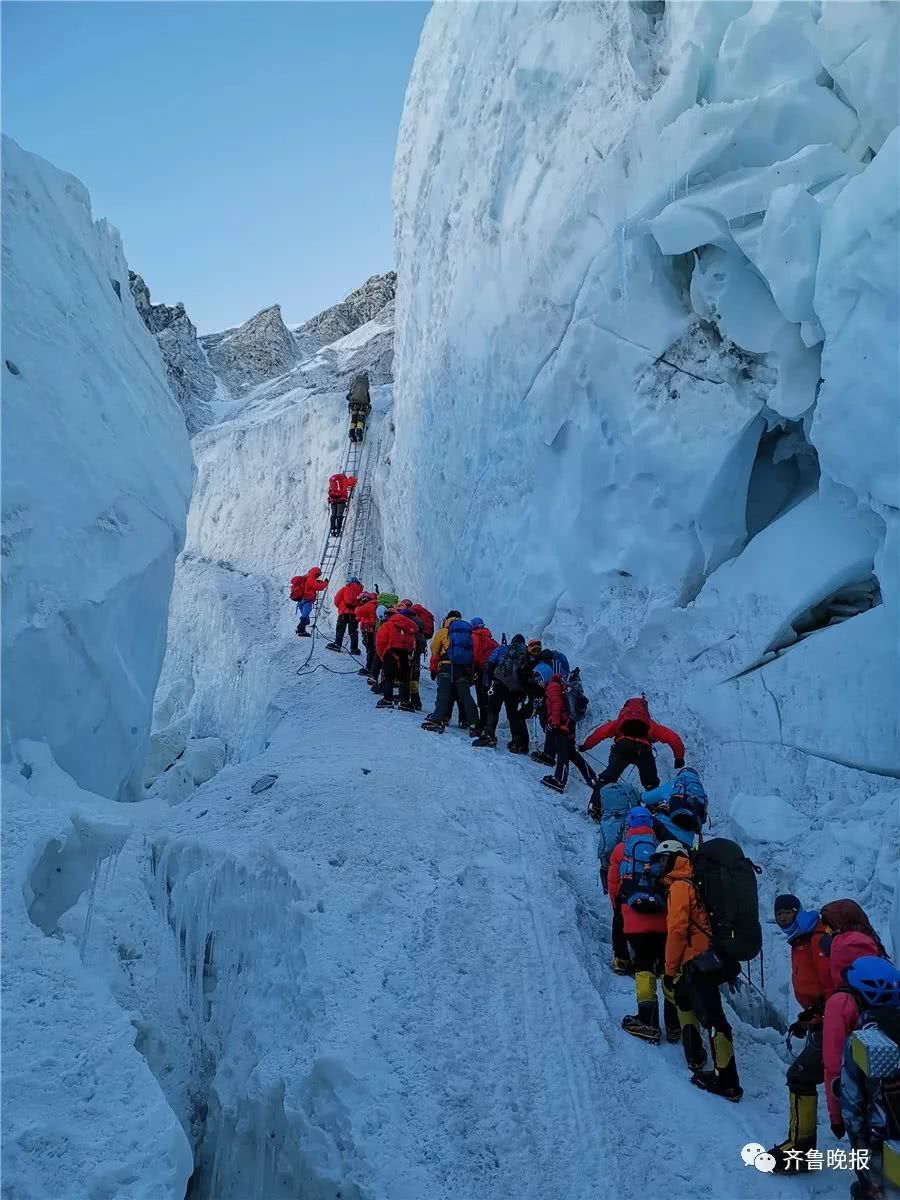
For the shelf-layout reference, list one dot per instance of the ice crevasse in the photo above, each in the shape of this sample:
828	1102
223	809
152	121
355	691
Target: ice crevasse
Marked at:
646	362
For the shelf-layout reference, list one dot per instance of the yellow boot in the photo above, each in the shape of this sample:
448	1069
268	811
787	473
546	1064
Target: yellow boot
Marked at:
802	1131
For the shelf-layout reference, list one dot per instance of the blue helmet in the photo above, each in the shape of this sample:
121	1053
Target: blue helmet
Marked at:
876	979
542	674
639	816
477	623
354	579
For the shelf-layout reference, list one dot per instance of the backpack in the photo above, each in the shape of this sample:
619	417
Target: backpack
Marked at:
403	632
426	618
483	648
510	665
461	651
576	700
359	391
725	880
615	801
642	885
336	488
298	583
559	664
688	802
388	599
634	718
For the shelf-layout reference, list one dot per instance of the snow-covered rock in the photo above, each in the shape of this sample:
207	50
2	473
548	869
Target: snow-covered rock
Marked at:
253	352
190	376
96	483
362	305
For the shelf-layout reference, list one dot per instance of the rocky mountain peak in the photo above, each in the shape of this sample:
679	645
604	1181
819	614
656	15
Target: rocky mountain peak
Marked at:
259	349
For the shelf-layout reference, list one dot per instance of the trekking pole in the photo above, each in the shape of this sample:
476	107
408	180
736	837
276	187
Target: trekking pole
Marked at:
762	968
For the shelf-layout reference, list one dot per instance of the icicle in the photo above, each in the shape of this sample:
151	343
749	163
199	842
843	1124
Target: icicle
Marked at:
89	915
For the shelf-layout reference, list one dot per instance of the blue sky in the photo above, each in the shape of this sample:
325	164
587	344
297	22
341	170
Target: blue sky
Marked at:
245	150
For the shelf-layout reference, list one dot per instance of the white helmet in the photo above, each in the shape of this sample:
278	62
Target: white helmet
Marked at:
380	612
669	847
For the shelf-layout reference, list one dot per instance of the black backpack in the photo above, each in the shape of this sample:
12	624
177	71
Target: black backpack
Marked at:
576	700
508	669
725	879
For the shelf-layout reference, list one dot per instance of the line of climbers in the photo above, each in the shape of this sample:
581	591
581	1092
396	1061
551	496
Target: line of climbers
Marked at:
685	909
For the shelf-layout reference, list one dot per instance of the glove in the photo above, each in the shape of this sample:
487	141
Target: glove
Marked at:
679	763
582	749
668	983
838	1129
433	675
797	1029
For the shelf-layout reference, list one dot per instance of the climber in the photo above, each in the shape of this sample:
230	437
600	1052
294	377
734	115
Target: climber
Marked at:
359	405
870	1095
365	612
345	602
636	888
507	671
305	589
633	732
340	487
846	916
483	646
547	664
842	1012
408	609
694	973
561	735
395	644
452	665
811	980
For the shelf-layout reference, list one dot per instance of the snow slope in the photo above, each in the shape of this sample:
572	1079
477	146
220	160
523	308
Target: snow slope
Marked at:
92	521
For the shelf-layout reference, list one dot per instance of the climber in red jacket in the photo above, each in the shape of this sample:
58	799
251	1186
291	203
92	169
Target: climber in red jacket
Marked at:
633	731
366	614
340	487
395	643
305	589
345	599
561	737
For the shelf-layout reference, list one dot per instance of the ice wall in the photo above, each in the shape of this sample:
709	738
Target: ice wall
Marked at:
646	378
96	485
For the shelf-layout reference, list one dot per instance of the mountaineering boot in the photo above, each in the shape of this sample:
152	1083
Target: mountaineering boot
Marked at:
636	1027
801	1133
433	726
416	701
302	632
540	757
356	652
382	703
515	748
622	966
723	1081
485	740
406	706
332	646
551	782
463	725
645	1024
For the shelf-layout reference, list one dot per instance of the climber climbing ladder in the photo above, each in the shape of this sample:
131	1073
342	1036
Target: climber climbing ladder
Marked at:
331	551
359	538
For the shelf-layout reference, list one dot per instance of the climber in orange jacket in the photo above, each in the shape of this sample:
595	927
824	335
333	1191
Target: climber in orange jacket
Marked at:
633	731
340	487
345	599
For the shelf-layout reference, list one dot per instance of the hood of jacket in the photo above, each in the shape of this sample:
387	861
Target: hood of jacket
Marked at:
846	948
681	869
636	708
314	571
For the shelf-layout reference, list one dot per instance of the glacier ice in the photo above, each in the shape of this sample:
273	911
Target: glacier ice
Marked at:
92	519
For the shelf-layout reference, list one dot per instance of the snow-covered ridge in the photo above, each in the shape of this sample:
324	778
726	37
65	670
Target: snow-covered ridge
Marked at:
187	370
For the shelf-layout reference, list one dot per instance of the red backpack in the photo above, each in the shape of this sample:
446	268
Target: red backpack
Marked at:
485	644
403	632
336	487
298	583
634	719
426	618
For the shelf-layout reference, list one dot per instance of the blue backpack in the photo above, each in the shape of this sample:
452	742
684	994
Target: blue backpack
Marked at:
688	802
576	700
462	652
616	799
641	877
559	664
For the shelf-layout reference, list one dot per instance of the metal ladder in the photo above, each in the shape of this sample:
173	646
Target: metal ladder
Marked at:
331	550
359	538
